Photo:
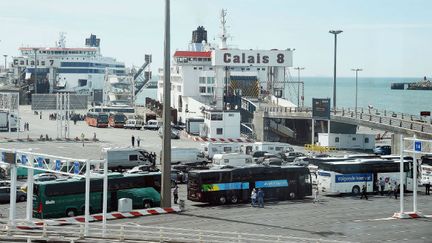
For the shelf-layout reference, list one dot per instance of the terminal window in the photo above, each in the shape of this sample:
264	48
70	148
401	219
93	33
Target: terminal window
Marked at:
219	131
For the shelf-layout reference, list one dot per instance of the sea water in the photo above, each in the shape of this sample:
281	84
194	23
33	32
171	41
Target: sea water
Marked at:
371	91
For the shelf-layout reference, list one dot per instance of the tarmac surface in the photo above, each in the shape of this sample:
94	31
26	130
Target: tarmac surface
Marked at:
345	218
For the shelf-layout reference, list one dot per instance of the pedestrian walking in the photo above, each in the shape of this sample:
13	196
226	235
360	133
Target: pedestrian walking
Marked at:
253	197
382	185
395	190
316	195
390	189
427	187
260	196
175	193
138	141
364	194
133	141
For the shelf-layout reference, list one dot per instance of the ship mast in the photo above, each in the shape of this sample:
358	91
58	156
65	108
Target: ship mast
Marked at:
224	35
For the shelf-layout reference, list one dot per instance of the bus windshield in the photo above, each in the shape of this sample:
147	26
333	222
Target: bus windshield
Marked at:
102	118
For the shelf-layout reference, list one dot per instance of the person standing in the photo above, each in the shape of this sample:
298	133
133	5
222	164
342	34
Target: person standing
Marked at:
175	193
260	196
316	195
395	190
253	197
382	185
427	187
390	189
138	141
133	141
364	194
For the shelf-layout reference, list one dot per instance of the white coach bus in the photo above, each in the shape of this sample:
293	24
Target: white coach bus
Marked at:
349	176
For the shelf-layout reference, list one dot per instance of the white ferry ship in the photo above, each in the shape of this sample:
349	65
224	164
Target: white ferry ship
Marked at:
60	68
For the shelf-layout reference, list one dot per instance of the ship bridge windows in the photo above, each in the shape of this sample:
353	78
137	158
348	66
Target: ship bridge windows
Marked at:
82	82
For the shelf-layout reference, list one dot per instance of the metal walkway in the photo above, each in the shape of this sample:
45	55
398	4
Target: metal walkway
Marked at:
382	120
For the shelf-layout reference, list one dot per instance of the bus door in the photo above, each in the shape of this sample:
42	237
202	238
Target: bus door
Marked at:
375	182
113	201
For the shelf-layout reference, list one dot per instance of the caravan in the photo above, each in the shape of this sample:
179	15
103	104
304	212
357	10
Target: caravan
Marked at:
269	147
233	159
210	149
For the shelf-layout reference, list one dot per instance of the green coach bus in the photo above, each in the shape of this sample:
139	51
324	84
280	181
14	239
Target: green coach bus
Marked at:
66	197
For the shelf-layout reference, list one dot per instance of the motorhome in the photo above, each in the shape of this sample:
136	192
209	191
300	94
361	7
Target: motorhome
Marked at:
210	149
232	159
125	158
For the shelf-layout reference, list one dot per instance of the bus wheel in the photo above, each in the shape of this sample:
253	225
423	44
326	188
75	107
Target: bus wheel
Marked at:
148	204
355	190
21	198
234	199
292	195
70	212
222	200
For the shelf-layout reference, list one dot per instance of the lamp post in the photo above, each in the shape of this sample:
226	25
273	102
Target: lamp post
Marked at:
335	33
35	69
5	56
166	145
356	70
298	84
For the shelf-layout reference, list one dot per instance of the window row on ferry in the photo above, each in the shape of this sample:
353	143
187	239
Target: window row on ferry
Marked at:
189	59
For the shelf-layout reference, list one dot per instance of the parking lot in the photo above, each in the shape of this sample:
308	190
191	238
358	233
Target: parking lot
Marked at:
346	218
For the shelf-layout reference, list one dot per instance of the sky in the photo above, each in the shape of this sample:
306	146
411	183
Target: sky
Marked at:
386	38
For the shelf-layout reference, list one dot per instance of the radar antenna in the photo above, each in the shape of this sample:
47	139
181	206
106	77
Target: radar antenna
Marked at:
62	40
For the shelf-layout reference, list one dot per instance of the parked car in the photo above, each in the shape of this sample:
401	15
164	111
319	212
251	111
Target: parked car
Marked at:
5	195
177	176
290	156
142	168
4	183
382	150
175	134
152	125
45	177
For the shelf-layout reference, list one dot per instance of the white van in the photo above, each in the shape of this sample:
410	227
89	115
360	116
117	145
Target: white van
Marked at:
210	149
152	125
125	158
189	156
233	159
134	124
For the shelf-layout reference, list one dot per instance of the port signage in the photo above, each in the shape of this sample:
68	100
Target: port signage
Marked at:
321	109
257	58
425	113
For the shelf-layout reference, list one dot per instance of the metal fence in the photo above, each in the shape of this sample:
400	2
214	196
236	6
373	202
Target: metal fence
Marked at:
136	233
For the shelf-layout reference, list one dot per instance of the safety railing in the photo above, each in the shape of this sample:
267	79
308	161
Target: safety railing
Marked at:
318	148
136	233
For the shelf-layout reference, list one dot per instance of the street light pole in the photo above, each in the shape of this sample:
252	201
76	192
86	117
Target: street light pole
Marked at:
35	70
335	33
356	70
5	56
166	146
298	84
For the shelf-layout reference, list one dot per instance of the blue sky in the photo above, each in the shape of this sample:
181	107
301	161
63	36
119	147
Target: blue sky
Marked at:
386	38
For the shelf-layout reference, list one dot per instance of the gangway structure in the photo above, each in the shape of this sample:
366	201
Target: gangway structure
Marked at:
141	77
57	165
